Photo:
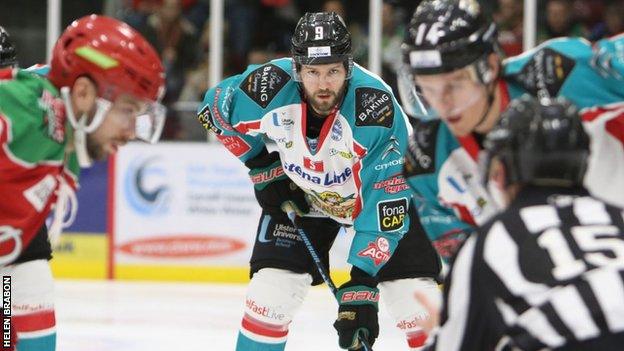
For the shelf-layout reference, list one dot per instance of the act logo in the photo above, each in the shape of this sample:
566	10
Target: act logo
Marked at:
391	214
145	187
378	251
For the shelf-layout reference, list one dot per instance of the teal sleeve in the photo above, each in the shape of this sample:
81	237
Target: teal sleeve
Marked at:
586	74
428	155
383	196
219	114
609	57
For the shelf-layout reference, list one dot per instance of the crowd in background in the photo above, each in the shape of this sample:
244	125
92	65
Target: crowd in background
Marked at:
257	31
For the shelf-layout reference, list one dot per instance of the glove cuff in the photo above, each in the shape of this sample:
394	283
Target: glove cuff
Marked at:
360	277
261	177
262	159
358	295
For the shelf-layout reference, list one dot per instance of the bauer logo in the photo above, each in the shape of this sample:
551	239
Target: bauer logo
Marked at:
391	214
182	246
145	187
359	296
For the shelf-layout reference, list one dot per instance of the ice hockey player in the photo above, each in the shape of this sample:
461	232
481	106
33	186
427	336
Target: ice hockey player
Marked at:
453	60
548	272
322	133
102	90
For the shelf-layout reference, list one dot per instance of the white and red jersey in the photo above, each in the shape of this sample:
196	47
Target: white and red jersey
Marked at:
34	161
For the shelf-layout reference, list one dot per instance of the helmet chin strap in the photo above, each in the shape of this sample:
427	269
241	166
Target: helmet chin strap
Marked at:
488	107
81	128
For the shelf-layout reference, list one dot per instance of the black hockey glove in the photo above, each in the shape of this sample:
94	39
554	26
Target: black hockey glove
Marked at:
357	312
272	187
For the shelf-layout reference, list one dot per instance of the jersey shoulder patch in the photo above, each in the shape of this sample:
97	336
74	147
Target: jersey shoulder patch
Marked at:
373	107
421	154
263	83
217	101
544	73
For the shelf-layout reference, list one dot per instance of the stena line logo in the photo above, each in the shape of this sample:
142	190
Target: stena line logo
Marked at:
324	179
183	246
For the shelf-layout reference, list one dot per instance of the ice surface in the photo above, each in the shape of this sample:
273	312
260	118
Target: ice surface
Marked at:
138	316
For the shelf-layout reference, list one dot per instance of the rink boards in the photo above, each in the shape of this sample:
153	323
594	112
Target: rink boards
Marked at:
171	211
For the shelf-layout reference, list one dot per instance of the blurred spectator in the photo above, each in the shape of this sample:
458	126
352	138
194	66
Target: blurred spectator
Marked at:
589	13
509	19
260	55
196	11
612	24
241	17
173	129
139	10
560	22
196	82
359	42
174	38
197	78
275	26
392	33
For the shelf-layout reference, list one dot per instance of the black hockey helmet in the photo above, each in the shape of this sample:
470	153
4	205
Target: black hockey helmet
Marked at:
542	143
321	38
445	35
8	55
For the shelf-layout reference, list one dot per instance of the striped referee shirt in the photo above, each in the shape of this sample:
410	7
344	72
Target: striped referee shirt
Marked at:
547	274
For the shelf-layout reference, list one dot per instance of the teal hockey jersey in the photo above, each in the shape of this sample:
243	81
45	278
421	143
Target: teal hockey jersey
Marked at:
450	197
350	173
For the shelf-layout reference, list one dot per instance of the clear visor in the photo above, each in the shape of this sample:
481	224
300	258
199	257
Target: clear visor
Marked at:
412	101
298	60
149	123
438	95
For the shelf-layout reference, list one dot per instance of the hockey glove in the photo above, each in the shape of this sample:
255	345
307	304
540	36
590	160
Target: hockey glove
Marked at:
357	313
273	188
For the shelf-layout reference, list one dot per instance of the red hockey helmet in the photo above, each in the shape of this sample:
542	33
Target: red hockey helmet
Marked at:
119	61
116	57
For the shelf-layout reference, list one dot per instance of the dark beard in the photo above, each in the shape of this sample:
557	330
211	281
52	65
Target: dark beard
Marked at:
337	100
326	108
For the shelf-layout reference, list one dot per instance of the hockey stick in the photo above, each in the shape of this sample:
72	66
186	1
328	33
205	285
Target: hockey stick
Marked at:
320	267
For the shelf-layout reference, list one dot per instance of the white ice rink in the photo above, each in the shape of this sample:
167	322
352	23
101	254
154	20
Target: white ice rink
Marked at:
137	316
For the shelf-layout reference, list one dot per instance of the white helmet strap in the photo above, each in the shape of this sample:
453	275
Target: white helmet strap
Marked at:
81	128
